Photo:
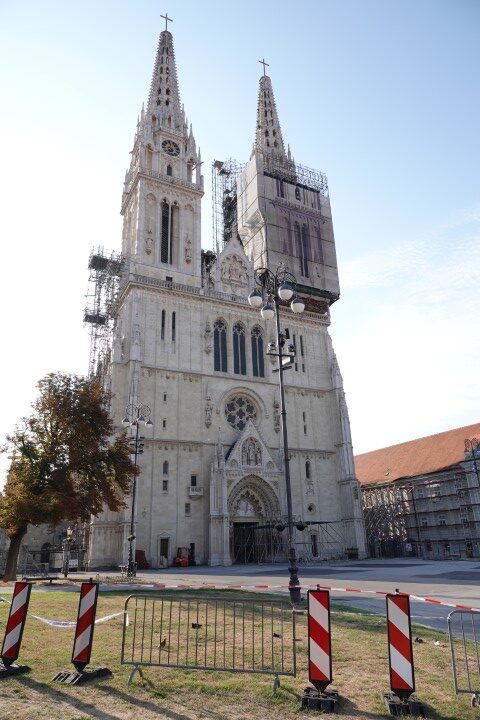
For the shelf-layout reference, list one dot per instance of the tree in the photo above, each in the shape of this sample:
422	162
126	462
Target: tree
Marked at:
66	462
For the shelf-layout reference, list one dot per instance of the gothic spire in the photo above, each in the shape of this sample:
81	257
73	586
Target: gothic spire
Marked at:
164	98
269	135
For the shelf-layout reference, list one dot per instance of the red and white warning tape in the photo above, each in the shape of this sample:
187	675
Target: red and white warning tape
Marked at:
315	586
382	593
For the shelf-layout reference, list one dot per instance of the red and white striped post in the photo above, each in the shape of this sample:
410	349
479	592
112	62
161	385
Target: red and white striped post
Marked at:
319	643
87	607
400	651
15	623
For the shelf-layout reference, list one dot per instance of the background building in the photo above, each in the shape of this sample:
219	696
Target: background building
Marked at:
423	497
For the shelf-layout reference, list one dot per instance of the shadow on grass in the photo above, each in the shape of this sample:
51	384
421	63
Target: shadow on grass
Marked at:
90	710
57	695
348	707
145	704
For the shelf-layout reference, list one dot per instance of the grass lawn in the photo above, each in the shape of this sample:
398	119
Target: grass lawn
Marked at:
360	672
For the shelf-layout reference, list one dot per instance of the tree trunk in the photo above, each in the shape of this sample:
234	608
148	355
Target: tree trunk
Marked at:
12	555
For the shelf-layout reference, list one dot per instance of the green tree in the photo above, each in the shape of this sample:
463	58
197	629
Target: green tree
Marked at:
66	462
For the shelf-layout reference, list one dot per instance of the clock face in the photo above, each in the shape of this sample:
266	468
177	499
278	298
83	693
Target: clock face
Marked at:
170	147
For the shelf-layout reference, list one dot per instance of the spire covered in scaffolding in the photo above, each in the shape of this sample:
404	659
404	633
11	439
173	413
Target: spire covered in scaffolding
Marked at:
268	140
164	96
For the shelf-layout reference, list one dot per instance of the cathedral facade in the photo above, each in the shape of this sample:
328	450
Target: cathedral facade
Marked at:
188	345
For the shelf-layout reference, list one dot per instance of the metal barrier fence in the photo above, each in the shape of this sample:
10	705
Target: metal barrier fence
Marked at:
464	635
220	634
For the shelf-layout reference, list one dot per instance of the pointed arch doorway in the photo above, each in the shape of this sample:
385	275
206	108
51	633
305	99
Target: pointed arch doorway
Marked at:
253	506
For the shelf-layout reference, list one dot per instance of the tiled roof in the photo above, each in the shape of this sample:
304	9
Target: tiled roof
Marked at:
415	457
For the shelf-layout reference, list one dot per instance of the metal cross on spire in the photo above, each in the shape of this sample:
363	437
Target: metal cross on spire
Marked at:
167	20
262	62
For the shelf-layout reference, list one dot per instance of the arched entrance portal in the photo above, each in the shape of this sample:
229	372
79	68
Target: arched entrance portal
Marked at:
253	507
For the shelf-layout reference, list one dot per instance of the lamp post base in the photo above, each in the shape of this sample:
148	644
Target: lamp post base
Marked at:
131	570
294	583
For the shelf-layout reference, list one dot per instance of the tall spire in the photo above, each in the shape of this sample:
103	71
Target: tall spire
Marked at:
164	97
268	139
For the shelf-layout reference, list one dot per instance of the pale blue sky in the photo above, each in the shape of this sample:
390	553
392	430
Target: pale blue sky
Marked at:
382	96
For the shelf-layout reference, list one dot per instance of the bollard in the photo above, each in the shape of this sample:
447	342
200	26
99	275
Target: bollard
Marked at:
319	654
400	658
14	630
82	646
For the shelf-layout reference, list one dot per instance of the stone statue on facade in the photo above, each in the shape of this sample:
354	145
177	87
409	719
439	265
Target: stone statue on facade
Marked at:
188	249
234	271
251	453
208	411
208	337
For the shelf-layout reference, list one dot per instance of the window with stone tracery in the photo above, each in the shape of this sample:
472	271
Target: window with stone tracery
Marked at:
257	352
239	357
239	410
304	250
220	346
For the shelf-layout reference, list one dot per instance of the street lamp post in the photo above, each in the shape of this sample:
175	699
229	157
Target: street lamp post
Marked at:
135	416
66	546
471	446
274	288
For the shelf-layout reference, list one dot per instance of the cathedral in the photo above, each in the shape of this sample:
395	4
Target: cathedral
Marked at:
189	352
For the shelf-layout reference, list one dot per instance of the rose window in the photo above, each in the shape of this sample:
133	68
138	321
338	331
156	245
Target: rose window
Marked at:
239	410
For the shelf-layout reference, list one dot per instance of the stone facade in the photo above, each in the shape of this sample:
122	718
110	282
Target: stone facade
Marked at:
189	346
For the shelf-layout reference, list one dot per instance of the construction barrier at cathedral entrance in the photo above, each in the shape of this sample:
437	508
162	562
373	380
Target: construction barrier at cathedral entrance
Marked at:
240	636
400	658
464	636
319	654
82	645
14	630
247	636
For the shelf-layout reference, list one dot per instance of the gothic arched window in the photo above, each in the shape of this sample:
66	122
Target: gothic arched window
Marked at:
169	170
239	358
304	250
307	470
165	468
298	243
220	346
257	352
165	245
162	326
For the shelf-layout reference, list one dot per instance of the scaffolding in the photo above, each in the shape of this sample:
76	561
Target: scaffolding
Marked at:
316	541
104	276
225	175
280	167
384	515
435	516
224	200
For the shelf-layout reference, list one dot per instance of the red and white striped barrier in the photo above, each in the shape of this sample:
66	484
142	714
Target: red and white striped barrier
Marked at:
400	651
319	639
87	607
16	623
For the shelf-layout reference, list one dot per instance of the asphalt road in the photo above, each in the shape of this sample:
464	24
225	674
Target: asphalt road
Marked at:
450	581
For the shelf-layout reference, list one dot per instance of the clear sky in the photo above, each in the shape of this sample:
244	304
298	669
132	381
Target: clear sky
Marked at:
382	95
